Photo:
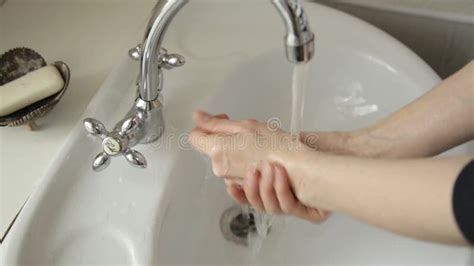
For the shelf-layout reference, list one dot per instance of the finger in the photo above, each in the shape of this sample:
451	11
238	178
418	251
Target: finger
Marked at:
202	141
267	191
219	116
230	180
202	116
315	215
289	203
251	189
237	194
222	116
216	147
284	194
216	124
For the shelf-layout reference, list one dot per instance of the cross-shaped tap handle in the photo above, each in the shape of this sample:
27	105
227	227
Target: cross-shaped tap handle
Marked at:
114	143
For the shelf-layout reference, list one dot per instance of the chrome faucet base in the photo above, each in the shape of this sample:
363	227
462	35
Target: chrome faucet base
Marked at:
151	118
143	124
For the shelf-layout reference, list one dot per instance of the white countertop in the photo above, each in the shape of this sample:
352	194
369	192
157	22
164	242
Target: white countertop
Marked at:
91	37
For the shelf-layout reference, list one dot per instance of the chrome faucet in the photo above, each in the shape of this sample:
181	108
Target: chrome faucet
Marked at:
144	122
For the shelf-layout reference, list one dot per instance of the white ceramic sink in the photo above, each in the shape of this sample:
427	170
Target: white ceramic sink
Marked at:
169	213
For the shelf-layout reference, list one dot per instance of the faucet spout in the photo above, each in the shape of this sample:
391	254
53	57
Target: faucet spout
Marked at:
151	75
299	41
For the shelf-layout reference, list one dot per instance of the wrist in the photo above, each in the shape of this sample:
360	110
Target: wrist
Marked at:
352	143
306	176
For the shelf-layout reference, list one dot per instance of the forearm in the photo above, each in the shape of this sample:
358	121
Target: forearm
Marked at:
409	197
435	122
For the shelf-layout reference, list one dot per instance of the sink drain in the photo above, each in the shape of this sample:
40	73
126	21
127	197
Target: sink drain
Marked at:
236	226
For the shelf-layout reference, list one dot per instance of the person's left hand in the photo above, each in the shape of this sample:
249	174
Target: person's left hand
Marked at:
234	147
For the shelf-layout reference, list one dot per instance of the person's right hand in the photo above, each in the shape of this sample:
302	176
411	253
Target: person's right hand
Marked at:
267	187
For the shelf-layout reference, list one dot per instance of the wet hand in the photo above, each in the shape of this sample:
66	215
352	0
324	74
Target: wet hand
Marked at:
267	189
236	146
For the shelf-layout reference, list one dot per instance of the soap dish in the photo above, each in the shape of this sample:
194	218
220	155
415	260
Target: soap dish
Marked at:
19	62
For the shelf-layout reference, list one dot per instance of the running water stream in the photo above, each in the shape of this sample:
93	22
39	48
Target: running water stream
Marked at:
263	221
298	89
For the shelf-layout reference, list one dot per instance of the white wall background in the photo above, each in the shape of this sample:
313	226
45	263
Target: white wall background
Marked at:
2	33
454	9
440	31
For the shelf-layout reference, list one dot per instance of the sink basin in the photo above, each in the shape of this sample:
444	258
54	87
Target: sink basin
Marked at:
170	212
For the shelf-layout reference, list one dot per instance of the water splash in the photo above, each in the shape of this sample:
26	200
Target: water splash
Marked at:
353	104
263	222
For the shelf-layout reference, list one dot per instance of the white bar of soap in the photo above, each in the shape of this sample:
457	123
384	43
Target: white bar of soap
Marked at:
29	89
